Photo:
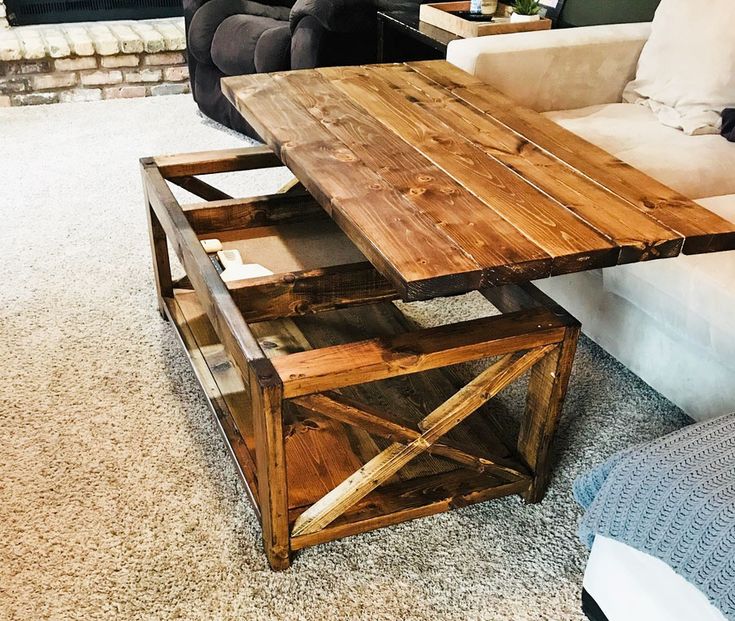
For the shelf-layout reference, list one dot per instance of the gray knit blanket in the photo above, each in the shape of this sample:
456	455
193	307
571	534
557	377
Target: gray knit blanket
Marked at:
673	498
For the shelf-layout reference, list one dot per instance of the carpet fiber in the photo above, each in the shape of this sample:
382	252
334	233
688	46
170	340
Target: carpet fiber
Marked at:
117	499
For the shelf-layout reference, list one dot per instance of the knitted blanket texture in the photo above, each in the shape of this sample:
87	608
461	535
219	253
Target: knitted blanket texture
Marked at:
673	498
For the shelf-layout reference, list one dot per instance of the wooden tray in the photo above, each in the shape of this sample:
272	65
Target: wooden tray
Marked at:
441	15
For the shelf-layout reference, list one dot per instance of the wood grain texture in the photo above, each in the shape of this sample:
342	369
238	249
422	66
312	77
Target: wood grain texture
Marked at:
639	236
557	231
429	189
244	213
372	360
546	393
377	423
266	397
310	291
200	188
703	230
161	261
409	500
226	319
446	185
223	386
210	162
439	422
405	244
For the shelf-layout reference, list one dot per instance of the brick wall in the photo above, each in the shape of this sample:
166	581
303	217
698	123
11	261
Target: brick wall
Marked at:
87	62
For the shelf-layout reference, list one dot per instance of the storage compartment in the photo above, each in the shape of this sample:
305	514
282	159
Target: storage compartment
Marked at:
341	415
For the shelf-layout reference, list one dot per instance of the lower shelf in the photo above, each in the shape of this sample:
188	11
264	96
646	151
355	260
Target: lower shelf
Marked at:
321	452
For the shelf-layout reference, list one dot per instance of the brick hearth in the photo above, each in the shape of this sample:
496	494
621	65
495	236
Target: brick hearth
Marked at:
91	61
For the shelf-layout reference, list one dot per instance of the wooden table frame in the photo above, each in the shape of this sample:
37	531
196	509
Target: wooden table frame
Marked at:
227	331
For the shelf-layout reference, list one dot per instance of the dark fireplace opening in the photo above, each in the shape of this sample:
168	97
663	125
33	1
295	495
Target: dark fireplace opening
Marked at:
26	12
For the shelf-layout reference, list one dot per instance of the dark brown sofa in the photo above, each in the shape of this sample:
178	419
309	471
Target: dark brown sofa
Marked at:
234	37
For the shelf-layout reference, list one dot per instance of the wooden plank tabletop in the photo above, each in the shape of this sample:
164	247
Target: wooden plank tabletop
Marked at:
446	185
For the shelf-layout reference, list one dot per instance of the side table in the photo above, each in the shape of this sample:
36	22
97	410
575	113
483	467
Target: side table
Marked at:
402	36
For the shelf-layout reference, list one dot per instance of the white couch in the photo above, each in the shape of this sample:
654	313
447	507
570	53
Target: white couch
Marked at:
672	321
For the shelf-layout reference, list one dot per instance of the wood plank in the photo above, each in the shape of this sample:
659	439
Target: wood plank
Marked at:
572	244
266	397
243	213
501	250
400	241
321	452
412	352
161	261
417	393
310	291
448	415
547	390
704	231
370	420
408	500
209	162
294	186
200	188
640	236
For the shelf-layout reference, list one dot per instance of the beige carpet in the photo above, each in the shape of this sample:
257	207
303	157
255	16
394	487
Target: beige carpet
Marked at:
117	500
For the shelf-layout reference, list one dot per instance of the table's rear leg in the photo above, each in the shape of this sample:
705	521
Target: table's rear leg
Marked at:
267	400
159	253
546	392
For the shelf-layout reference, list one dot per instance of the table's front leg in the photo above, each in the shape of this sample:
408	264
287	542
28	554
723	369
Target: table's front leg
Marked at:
267	410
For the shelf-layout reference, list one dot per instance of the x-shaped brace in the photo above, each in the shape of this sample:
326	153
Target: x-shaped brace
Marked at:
438	423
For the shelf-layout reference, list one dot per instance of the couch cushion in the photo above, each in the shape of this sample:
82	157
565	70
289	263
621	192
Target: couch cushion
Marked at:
237	37
273	50
696	166
691	296
210	16
685	72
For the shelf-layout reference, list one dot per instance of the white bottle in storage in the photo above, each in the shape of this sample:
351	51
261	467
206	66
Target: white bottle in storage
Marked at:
476	6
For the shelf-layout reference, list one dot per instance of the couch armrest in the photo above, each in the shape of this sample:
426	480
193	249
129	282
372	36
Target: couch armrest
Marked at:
556	69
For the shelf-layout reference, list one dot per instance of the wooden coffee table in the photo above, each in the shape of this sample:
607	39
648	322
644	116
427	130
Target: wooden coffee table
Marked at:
414	182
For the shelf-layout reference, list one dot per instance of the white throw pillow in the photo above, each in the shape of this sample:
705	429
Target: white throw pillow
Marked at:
686	72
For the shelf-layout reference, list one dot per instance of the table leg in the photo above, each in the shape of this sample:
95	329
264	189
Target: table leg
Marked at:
546	392
161	263
267	400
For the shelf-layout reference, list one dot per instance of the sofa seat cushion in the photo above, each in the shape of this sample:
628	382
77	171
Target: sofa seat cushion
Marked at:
696	166
690	296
